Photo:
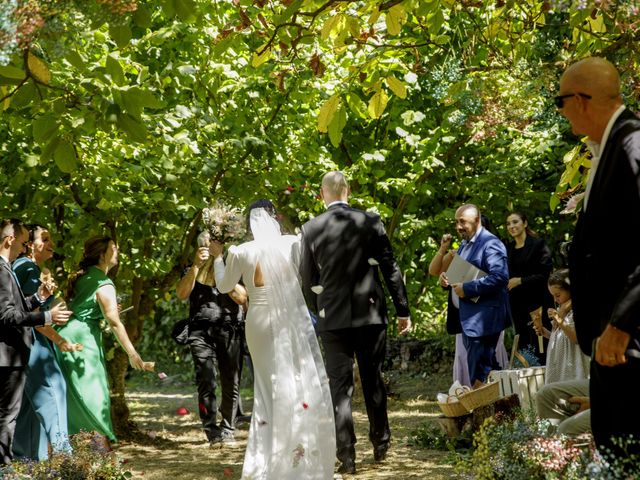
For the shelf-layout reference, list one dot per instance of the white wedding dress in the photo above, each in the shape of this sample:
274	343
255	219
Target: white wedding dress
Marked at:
292	433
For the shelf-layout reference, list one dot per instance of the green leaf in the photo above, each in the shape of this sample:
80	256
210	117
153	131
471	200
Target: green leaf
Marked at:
131	101
142	17
10	71
103	204
47	151
24	96
75	59
121	34
134	129
258	59
327	111
288	13
395	18
329	25
377	104
397	86
186	10
65	157
44	127
337	125
114	69
356	105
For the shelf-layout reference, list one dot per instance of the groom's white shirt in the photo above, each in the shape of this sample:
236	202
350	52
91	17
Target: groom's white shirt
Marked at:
337	202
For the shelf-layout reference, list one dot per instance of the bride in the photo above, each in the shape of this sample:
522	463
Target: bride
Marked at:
292	433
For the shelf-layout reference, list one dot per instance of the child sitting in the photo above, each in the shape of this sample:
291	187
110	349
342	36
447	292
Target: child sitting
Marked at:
565	360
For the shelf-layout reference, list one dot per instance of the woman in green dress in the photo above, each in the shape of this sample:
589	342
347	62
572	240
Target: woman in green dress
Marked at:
93	297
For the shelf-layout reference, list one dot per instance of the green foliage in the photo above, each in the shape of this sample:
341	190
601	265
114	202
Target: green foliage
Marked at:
151	110
87	462
432	437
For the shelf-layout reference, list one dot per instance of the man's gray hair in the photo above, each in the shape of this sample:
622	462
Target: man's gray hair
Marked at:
335	183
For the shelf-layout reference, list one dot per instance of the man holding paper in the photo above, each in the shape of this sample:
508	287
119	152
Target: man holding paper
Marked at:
478	296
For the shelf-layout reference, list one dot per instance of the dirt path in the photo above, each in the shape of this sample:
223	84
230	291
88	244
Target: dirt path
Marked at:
177	450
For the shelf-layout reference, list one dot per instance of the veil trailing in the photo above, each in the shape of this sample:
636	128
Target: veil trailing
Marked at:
303	425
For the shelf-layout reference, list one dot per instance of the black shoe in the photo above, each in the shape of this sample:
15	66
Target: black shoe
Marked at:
243	419
348	466
224	439
380	452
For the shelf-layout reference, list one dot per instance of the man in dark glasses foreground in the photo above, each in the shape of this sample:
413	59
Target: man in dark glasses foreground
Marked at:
605	276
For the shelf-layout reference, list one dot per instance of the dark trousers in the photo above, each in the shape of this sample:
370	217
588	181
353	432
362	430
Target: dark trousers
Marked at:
614	408
11	387
211	348
368	345
481	355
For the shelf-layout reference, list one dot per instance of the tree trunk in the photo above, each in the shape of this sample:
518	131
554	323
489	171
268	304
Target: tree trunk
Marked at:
117	367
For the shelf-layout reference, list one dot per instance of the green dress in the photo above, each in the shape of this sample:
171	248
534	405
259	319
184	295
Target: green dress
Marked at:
88	401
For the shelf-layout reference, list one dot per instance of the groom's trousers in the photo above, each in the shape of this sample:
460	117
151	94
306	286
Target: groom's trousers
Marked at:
368	345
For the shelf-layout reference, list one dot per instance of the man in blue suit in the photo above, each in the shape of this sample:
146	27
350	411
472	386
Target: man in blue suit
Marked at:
479	309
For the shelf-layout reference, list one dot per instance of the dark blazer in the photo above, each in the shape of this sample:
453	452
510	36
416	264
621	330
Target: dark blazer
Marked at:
343	251
604	251
16	320
491	313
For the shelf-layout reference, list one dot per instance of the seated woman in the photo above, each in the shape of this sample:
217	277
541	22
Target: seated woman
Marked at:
93	297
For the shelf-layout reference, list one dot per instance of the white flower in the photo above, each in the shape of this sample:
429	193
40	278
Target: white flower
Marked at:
317	289
373	261
321	313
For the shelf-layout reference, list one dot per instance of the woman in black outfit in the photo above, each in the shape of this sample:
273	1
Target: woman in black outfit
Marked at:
529	268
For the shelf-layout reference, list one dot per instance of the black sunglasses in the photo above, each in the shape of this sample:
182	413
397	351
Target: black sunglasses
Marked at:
559	100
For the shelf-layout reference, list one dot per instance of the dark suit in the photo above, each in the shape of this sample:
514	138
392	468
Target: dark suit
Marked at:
343	251
16	336
603	287
481	321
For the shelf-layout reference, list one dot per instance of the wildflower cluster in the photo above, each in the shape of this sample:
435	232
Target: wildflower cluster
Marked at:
524	447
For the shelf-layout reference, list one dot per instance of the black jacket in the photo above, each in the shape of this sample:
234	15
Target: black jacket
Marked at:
16	320
604	252
343	251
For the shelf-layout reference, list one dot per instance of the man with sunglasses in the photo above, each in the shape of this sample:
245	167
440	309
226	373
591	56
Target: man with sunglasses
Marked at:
604	289
17	315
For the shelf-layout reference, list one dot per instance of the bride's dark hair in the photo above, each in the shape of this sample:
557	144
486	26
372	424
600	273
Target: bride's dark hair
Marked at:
262	203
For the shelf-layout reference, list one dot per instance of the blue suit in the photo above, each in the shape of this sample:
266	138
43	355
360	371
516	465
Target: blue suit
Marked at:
481	322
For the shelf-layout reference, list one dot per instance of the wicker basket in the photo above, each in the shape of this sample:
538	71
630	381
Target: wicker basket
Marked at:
481	396
453	409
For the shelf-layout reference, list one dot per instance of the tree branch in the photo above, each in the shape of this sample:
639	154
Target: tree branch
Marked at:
15	89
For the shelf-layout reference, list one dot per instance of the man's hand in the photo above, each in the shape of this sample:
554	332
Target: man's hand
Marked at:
59	314
611	347
445	242
457	287
404	325
584	403
444	281
514	282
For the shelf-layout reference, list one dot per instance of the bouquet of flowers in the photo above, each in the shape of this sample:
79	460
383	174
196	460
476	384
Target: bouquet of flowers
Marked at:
224	223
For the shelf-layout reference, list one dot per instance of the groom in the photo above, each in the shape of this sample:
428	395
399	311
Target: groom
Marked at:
343	251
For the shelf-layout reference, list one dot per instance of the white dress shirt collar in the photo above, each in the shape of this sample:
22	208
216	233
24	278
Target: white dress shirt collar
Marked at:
337	202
